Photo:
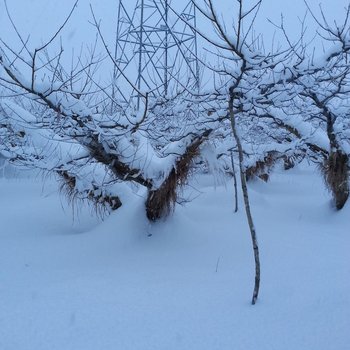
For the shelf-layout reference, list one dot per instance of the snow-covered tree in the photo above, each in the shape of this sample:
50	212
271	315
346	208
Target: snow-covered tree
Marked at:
60	120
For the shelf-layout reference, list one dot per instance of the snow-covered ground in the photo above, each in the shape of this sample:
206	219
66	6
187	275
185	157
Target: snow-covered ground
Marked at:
72	282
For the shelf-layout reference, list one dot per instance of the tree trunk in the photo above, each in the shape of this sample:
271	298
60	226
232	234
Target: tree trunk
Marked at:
246	199
161	201
336	175
234	182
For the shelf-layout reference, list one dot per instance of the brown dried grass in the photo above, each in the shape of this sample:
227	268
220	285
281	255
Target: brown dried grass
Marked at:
261	168
335	171
161	202
102	204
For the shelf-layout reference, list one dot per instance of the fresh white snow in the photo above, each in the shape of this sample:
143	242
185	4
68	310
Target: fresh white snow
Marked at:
69	281
72	282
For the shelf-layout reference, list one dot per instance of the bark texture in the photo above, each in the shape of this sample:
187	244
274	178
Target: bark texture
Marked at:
246	199
160	202
336	175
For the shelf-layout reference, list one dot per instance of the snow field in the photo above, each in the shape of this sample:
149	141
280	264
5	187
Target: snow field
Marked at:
77	283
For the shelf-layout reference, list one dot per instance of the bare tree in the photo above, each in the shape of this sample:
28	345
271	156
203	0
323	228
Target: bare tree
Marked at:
126	146
282	105
245	70
325	93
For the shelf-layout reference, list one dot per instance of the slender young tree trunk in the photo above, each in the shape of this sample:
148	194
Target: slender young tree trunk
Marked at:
234	182
246	199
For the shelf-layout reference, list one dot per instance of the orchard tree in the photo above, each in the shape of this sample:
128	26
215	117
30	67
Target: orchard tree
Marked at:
60	120
263	107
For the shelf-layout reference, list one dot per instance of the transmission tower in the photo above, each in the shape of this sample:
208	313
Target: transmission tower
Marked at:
156	49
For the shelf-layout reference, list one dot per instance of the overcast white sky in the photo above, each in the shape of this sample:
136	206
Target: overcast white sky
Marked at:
40	18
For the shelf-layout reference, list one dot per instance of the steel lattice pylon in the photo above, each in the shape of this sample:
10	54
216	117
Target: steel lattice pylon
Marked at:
156	48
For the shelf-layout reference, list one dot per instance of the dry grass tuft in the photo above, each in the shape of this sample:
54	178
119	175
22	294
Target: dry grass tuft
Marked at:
290	161
261	168
161	202
335	170
102	204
